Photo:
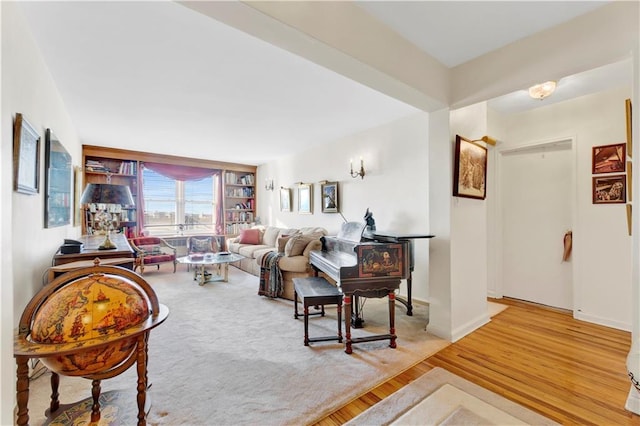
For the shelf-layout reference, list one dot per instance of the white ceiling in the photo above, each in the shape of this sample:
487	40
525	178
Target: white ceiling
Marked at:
455	32
160	77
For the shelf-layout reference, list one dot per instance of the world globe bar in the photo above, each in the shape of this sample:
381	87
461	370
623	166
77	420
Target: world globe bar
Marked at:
95	308
92	322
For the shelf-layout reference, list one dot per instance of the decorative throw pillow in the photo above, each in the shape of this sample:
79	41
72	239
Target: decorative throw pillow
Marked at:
249	236
282	242
270	236
201	245
296	245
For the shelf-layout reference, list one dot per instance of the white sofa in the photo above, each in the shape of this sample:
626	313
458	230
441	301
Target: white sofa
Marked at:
294	243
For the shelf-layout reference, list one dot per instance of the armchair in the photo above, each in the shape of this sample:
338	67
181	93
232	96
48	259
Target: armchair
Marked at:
152	251
204	244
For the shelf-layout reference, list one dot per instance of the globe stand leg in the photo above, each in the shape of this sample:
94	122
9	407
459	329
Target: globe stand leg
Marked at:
22	390
95	408
55	383
142	378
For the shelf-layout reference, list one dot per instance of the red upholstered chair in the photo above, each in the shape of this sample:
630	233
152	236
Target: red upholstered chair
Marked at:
152	251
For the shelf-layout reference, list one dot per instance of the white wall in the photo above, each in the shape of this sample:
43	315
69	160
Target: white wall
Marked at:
441	177
395	188
602	247
27	87
469	239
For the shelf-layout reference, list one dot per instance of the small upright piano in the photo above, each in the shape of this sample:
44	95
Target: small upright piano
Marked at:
362	268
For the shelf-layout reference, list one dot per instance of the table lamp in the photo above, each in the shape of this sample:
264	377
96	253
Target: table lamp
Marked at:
106	193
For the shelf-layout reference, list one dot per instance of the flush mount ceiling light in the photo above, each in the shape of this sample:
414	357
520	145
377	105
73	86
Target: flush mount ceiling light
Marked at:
542	90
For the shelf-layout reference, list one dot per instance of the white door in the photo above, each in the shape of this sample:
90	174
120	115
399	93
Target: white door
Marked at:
536	200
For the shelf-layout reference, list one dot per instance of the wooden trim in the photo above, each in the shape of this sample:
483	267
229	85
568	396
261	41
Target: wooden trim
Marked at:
127	155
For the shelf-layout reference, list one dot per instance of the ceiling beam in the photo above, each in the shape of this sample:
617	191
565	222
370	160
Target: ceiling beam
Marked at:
344	38
601	37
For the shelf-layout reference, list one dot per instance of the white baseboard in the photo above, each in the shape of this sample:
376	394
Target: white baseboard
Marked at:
493	295
633	401
441	332
601	321
459	332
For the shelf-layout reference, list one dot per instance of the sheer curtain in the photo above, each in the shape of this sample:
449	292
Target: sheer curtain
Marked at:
182	173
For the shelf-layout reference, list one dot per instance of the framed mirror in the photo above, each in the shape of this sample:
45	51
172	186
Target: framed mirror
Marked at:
58	196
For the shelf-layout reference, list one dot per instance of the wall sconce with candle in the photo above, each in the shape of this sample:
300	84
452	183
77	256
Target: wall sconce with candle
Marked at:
357	173
268	184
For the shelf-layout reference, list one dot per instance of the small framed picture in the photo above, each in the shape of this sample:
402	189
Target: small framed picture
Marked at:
470	170
26	157
608	158
610	189
305	198
285	199
330	197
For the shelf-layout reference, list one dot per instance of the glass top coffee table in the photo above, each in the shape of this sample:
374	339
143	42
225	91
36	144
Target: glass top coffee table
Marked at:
221	260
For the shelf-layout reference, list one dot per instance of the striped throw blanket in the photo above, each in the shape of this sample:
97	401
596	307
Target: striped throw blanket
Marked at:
270	275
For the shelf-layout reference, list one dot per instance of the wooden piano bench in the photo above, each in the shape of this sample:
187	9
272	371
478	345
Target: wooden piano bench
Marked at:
316	291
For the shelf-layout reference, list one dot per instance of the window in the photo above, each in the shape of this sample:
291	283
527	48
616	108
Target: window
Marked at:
178	207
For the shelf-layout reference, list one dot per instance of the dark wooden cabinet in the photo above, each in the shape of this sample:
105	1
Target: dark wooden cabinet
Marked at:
90	250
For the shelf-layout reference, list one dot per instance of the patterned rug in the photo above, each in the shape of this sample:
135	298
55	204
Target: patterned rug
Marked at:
116	408
442	398
226	356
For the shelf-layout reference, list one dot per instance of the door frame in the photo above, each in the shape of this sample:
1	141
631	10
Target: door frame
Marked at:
497	217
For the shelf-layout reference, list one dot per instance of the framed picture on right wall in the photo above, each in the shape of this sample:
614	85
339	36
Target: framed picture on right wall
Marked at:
609	158
610	189
470	169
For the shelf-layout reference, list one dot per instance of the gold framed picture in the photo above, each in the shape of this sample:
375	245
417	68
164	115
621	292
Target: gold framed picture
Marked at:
305	198
329	192
285	199
628	110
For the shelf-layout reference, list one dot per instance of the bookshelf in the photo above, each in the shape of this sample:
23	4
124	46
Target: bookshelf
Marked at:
100	167
239	201
123	167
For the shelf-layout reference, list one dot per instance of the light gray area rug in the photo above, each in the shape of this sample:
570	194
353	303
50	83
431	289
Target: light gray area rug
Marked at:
226	356
442	398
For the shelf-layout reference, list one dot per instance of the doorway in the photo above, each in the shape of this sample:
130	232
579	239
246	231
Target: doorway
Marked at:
536	196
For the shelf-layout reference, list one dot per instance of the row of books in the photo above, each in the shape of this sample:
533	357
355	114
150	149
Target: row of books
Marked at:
239	192
248	205
128	168
239	179
235	228
232	216
96	166
125	168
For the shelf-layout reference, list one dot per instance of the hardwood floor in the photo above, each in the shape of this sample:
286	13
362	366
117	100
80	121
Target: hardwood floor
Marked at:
568	370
